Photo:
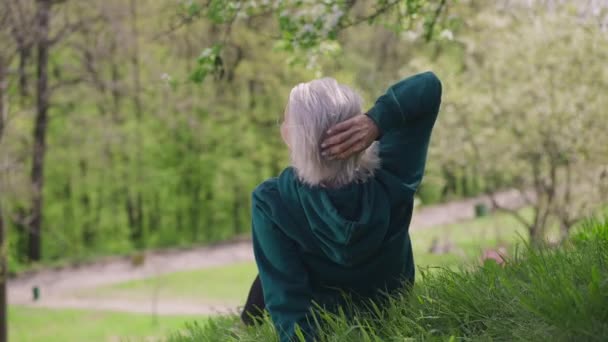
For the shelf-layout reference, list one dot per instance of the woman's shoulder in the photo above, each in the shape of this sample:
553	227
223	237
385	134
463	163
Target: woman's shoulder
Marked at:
271	185
271	189
267	187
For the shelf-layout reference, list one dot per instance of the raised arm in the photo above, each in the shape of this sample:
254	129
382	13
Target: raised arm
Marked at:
405	115
412	99
402	119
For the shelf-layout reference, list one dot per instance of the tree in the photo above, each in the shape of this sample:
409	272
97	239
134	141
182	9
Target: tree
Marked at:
303	26
43	43
537	114
20	22
139	157
5	57
3	244
43	12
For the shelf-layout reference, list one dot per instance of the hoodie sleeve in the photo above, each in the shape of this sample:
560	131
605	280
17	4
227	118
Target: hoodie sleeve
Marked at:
284	278
405	115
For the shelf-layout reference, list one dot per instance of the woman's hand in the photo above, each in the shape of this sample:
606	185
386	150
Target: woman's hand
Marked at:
349	137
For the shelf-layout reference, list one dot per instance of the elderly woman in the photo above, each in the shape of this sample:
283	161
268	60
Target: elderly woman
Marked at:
337	220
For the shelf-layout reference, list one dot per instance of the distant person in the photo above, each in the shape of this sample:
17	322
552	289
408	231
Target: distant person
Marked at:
337	220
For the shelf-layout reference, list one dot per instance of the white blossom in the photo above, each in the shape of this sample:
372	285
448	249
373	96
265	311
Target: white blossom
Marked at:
447	35
206	53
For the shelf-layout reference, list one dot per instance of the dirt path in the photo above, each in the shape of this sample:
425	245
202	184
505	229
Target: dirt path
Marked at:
57	286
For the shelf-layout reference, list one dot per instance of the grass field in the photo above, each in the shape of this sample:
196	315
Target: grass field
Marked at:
468	238
217	285
50	325
558	294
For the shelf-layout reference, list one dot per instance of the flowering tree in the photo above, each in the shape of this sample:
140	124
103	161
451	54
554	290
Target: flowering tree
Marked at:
531	105
307	27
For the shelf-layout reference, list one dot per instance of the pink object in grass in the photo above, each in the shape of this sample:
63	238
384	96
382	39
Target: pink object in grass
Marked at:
496	255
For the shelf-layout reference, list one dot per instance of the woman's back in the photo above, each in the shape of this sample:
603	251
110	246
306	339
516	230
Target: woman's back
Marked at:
310	242
353	238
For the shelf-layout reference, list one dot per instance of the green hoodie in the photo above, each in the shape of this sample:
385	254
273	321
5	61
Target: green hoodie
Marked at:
314	243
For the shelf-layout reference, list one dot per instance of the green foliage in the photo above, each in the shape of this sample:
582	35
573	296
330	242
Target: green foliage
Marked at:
173	163
558	294
208	61
431	191
304	26
524	109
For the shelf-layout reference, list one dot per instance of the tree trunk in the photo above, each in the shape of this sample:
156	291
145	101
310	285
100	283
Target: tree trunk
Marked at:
24	55
42	105
135	61
3	249
536	235
88	231
24	45
115	85
137	201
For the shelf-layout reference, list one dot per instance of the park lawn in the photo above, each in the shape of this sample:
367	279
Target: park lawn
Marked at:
69	325
229	285
468	238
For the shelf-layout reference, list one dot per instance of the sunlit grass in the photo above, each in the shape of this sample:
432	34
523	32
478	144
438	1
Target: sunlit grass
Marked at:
540	294
66	325
218	285
468	239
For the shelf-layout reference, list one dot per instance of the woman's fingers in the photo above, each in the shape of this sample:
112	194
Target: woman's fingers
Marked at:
343	149
336	138
357	147
349	137
339	132
342	126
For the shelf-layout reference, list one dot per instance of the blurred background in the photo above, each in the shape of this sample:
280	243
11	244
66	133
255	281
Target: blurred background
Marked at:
133	132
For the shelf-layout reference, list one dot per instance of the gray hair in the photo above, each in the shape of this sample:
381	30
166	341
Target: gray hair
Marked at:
313	108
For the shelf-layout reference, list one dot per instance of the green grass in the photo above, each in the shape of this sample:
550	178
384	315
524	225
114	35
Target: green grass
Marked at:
469	238
540	294
66	325
226	284
230	284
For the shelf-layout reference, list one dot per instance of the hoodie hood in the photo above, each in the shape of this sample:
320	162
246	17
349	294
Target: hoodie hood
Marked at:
349	223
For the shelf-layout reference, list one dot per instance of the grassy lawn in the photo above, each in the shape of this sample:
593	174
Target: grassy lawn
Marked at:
554	294
67	325
220	285
230	284
468	239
